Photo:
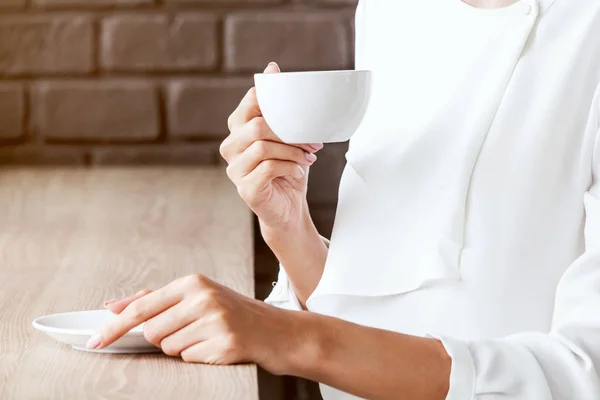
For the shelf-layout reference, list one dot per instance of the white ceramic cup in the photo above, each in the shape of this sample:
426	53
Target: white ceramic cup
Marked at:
313	107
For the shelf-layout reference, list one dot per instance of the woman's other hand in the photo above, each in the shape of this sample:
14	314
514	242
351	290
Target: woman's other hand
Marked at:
202	321
270	176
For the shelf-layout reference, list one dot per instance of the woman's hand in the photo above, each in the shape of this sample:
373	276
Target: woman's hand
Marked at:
204	322
270	176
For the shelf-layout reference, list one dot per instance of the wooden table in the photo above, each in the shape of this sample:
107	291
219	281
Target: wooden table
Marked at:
70	239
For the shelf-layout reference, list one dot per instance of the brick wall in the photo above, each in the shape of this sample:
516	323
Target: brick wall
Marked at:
110	82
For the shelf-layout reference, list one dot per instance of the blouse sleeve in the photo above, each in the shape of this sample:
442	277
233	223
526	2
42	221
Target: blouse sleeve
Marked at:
283	295
563	364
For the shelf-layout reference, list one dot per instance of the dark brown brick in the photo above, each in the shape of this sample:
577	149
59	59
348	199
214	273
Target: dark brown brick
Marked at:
40	156
89	3
12	109
12	4
200	107
235	2
157	42
159	154
45	44
334	2
296	41
346	4
325	174
118	110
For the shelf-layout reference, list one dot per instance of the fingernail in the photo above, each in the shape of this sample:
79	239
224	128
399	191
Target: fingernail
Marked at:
110	302
140	292
272	64
316	146
300	173
310	157
94	342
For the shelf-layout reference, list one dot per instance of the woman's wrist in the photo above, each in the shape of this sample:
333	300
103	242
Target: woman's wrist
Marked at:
288	232
308	347
302	252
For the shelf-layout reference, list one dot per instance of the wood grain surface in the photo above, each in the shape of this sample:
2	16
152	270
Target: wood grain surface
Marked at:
71	239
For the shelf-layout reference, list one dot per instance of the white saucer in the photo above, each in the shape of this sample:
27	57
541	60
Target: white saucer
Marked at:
76	328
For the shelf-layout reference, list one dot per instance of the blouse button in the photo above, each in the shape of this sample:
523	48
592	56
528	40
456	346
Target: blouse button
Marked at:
276	288
527	9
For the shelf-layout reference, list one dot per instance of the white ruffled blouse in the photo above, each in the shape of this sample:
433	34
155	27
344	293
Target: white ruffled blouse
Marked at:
469	208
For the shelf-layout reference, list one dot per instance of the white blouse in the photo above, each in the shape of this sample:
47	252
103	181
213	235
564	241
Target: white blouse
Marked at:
469	208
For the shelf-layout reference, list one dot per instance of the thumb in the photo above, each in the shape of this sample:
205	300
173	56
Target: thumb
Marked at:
272	68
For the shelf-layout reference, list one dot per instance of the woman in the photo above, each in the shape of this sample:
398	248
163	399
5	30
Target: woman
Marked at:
465	258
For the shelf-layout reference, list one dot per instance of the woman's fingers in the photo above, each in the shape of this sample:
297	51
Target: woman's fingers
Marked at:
176	342
201	352
263	150
135	313
253	188
118	305
272	68
255	130
248	107
243	136
247	126
175	319
268	170
245	111
218	350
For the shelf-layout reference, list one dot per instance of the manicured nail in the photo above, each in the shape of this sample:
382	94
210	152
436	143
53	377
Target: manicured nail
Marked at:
140	292
272	65
110	302
310	157
316	146
300	172
94	342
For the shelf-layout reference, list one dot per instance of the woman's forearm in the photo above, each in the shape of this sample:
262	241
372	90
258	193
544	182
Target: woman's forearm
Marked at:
301	251
370	363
